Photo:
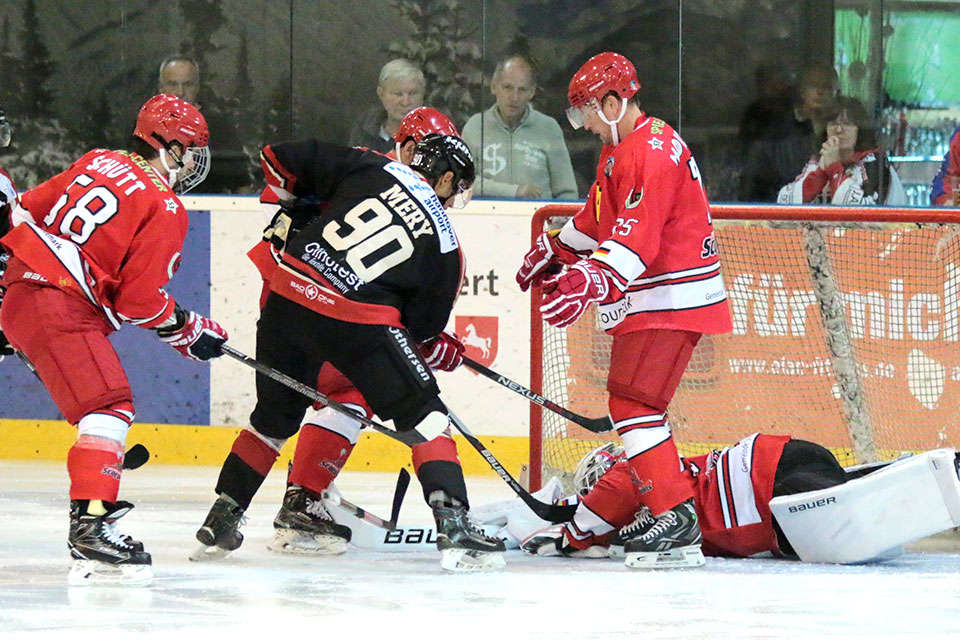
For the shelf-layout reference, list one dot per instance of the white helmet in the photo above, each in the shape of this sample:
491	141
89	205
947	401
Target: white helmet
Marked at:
593	465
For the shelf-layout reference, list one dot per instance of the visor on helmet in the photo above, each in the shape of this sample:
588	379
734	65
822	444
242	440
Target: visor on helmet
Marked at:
5	133
577	116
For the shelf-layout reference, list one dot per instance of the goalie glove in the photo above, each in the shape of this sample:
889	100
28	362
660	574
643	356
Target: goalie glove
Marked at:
443	353
193	335
566	296
556	540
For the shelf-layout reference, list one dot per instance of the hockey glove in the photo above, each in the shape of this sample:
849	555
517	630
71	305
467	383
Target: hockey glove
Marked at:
567	295
194	336
558	540
443	353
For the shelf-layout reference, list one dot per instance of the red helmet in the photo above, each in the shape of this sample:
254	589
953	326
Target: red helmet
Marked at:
165	119
601	74
420	122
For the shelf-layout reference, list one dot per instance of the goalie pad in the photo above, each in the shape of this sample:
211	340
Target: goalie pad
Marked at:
870	518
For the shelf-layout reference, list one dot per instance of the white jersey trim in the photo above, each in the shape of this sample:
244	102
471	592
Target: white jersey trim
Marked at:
576	239
664	297
735	484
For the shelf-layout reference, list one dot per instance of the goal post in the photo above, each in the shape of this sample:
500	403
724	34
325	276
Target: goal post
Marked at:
846	333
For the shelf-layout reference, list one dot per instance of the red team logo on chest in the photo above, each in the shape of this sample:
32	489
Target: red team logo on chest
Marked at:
479	336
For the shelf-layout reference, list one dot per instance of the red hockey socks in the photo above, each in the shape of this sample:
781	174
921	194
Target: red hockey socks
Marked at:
246	467
661	483
95	465
438	468
319	457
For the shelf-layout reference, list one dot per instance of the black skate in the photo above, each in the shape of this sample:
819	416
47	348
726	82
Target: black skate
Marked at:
100	553
220	533
463	545
305	527
670	540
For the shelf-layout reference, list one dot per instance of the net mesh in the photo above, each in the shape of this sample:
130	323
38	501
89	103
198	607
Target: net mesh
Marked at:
845	334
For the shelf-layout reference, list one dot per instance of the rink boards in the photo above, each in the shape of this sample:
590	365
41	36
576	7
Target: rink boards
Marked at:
183	406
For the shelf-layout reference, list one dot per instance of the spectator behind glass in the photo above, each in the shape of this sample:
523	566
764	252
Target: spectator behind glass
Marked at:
520	152
180	77
400	88
849	168
946	184
775	100
786	142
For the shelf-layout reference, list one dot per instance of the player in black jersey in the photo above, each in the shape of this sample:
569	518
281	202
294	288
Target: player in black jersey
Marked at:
359	286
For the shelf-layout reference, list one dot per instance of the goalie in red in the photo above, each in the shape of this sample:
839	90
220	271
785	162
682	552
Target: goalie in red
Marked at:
92	248
642	249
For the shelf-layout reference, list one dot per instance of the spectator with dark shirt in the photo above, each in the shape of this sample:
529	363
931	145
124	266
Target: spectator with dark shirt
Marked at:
788	141
400	89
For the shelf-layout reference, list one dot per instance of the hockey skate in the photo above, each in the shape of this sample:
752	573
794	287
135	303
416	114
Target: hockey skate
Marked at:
305	527
463	545
220	533
100	553
670	540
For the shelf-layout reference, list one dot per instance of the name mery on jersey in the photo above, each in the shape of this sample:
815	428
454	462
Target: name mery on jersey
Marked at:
113	168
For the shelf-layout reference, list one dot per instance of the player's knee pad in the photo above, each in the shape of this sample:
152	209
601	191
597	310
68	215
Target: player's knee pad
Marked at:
274	422
338	422
112	423
428	417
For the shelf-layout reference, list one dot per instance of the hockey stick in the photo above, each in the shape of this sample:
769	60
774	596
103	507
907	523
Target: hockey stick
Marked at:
546	511
307	391
549	512
403	481
596	425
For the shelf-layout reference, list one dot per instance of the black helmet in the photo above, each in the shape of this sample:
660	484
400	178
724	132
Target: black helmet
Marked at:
4	129
436	154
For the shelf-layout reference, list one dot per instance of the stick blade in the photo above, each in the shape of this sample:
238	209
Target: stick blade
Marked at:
403	481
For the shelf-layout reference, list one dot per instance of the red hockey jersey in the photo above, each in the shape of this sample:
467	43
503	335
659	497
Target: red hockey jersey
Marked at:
732	492
108	229
647	220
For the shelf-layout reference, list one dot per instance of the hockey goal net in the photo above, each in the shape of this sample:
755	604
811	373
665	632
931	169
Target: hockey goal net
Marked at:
846	333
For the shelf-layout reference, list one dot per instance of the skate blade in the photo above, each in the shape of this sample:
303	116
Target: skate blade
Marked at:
469	560
681	558
209	554
305	544
85	573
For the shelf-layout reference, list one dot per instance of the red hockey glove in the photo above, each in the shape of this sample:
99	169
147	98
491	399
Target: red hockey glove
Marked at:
538	261
567	295
443	353
197	337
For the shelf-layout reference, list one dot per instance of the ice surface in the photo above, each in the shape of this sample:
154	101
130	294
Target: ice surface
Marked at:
259	594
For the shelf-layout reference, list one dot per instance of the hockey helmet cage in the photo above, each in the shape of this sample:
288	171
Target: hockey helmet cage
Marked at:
593	465
422	121
436	154
5	130
165	119
600	75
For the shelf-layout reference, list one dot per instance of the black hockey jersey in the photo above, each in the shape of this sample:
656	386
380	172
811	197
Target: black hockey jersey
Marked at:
382	251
